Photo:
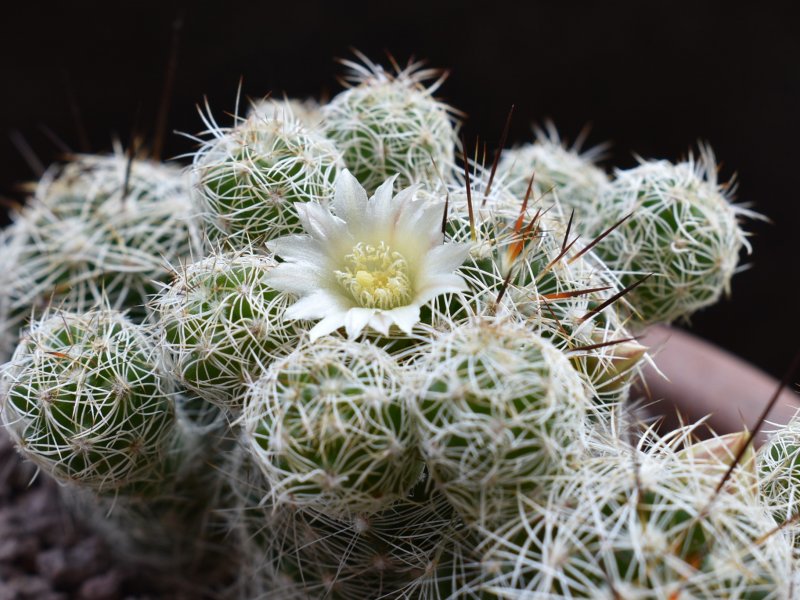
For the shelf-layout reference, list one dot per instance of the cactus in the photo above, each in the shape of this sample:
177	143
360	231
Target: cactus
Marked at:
98	228
390	124
177	528
305	553
84	399
641	522
500	411
307	112
523	261
247	177
9	318
779	471
683	231
220	322
328	426
559	172
455	571
379	375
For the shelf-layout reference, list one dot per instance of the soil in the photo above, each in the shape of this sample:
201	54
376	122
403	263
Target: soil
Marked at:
46	555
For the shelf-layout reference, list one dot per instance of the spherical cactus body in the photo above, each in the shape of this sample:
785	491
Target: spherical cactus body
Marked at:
682	234
221	324
329	427
500	410
100	228
391	125
247	177
85	399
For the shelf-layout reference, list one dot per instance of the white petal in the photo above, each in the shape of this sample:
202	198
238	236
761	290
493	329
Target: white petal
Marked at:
296	248
406	195
385	192
349	199
444	284
445	258
405	317
380	322
315	306
328	325
356	319
296	278
382	209
319	222
422	218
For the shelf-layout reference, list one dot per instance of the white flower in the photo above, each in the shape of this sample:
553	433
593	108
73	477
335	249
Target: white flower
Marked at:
373	264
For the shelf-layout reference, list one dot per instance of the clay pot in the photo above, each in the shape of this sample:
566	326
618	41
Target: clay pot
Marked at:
703	380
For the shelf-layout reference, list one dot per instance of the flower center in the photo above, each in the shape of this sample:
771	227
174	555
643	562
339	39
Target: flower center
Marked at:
376	276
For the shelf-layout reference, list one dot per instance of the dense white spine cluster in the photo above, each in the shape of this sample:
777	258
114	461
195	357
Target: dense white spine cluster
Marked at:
559	174
221	324
329	426
307	111
641	522
778	463
683	233
303	553
247	177
500	412
97	229
390	124
85	399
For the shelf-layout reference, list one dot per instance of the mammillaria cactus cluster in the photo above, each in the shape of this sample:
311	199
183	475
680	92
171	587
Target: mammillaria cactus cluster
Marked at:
335	358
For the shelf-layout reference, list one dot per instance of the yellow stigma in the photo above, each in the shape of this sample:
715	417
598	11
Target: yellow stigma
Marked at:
376	276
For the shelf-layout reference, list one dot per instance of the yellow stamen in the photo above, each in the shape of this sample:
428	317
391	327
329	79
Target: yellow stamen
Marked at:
376	276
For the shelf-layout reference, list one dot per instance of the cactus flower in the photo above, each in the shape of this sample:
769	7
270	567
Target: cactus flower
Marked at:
373	264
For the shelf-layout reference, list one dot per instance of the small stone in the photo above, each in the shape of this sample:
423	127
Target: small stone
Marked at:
39	515
7	592
101	587
88	558
52	564
29	587
18	548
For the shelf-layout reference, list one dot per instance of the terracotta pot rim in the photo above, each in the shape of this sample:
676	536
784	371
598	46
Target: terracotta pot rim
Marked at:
691	379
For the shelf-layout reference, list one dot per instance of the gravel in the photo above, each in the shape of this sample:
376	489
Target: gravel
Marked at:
46	555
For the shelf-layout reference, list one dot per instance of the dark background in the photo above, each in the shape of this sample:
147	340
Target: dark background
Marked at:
652	78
